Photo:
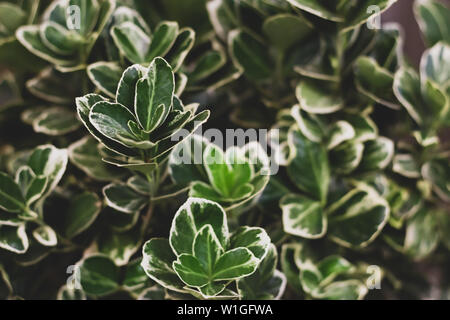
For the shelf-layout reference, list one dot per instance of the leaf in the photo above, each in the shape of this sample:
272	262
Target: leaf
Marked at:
285	30
190	270
309	169
30	38
253	238
131	41
84	154
126	89
11	16
339	132
154	94
112	120
163	39
45	236
429	15
123	198
438	172
406	165
317	100
190	218
235	264
14	238
265	283
343	290
105	76
56	121
59	39
433	65
288	265
250	54
377	154
316	8
309	124
357	218
157	258
303	217
181	47
207	249
422	234
11	198
82	212
407	90
135	276
119	247
375	82
365	128
99	275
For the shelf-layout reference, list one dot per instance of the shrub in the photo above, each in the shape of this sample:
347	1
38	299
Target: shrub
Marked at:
108	189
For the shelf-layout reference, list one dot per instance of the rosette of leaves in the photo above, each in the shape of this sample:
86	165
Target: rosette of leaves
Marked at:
22	199
67	32
232	178
319	153
330	278
138	127
201	257
130	39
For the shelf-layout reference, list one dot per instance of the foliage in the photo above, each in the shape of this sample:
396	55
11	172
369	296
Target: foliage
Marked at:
109	189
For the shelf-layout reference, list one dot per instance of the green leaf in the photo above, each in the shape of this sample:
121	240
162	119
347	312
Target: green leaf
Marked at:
250	54
59	39
406	165
433	65
105	76
50	162
11	198
438	172
123	198
284	30
309	169
207	249
154	94
30	38
14	238
265	283
357	218
375	82
190	218
316	8
407	90
84	154
303	217
190	270
56	121
180	49
377	154
11	17
230	173
135	276
309	124
157	259
422	234
339	132
32	187
289	266
253	238
112	120
119	247
45	236
82	212
430	15
126	89
99	275
235	264
131	41
163	39
314	99
343	290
